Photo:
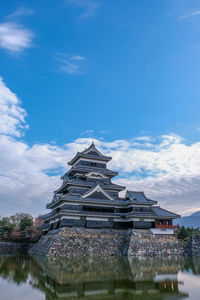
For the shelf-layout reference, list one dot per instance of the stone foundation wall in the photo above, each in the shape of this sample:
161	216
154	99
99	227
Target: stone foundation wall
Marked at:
193	245
106	242
81	241
13	248
145	243
43	246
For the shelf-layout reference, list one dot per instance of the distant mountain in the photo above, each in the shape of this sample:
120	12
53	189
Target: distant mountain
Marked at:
189	221
196	214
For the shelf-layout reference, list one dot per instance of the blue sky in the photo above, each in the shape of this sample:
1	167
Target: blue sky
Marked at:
107	70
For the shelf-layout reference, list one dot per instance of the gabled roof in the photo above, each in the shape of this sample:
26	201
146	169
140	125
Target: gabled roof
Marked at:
92	150
160	212
139	197
97	192
90	153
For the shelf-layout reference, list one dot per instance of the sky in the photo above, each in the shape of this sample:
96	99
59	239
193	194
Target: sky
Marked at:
124	74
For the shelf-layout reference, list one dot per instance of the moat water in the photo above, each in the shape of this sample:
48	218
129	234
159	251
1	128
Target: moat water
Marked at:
37	278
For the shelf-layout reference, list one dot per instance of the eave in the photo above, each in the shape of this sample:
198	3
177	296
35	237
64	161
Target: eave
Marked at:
88	156
87	169
80	183
85	214
160	216
117	202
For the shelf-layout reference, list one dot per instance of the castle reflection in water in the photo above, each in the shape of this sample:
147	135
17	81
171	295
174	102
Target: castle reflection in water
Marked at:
100	278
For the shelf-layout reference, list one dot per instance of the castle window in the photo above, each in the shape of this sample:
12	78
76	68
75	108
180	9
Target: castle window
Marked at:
93	164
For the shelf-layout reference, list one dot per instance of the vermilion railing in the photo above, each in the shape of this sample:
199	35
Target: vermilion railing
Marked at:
166	226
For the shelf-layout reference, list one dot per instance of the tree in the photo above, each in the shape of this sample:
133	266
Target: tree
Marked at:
185	232
25	223
16	235
6	228
15	219
20	227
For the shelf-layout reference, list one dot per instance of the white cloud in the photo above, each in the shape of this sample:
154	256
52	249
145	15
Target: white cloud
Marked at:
22	11
89	7
166	168
14	37
77	57
166	155
177	193
12	116
71	64
192	14
143	138
87	132
24	184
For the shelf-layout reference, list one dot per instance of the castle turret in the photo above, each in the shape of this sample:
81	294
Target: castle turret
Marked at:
88	198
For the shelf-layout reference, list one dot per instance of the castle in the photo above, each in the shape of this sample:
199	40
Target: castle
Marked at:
88	198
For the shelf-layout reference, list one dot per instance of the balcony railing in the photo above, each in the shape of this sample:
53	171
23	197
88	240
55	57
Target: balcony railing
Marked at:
166	226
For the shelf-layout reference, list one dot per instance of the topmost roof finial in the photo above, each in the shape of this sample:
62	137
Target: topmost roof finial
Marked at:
92	142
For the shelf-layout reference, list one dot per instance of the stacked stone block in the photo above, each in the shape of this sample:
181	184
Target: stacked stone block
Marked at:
106	242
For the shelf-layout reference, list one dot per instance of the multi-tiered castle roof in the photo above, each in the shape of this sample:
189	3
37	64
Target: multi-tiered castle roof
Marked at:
89	198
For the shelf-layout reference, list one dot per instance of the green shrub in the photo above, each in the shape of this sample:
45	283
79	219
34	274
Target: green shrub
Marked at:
183	233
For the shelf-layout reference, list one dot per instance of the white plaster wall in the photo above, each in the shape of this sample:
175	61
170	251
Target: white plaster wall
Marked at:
162	230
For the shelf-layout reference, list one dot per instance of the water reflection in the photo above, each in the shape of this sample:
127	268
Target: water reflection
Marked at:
102	278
